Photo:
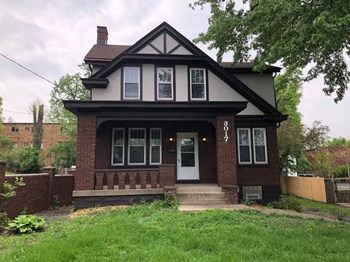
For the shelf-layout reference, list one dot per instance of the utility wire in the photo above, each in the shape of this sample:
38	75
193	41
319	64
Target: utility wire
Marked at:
25	68
17	112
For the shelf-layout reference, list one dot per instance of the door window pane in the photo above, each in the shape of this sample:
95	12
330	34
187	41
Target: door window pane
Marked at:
187	159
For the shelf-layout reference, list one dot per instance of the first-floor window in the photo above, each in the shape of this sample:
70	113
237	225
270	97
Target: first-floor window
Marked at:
137	146
252	142
260	151
155	146
118	146
244	150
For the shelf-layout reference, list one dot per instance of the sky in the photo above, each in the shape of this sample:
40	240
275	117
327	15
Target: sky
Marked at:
52	37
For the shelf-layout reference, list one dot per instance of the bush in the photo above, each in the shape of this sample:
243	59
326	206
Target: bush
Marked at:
23	160
26	224
340	171
3	220
63	153
287	203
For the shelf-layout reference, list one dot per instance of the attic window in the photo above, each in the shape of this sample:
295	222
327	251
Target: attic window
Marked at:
131	83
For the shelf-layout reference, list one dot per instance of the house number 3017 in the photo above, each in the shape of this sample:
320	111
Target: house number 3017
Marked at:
225	130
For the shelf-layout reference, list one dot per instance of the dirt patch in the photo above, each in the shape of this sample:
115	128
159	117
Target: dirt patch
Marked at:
88	211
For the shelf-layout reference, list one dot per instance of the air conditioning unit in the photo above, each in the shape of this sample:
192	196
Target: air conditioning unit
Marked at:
253	196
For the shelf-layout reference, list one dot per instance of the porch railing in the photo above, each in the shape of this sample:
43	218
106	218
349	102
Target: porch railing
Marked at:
127	178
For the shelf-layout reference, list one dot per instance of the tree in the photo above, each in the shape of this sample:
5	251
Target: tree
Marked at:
315	136
37	109
69	87
5	142
338	141
291	132
296	33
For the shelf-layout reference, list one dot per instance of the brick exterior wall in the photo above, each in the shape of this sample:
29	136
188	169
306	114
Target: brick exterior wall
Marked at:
269	174
86	142
24	136
227	157
226	151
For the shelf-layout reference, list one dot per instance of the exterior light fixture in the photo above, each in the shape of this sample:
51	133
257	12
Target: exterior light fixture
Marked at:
171	139
204	139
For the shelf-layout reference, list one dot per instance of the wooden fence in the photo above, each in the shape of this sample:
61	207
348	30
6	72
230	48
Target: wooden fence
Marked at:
306	187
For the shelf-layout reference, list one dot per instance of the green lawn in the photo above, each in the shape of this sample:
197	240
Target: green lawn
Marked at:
149	233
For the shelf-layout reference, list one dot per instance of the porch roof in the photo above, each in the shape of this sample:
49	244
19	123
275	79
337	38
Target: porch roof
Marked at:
144	108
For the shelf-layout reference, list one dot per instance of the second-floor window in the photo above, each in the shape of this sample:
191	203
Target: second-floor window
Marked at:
165	82
198	84
131	83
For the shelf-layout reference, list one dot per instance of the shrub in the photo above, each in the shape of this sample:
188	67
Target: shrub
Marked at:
287	203
63	153
340	171
3	220
246	202
24	160
26	224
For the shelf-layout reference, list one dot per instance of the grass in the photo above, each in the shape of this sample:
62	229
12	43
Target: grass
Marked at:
310	205
152	233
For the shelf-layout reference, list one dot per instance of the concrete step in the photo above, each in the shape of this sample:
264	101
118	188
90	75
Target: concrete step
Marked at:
203	202
201	195
198	189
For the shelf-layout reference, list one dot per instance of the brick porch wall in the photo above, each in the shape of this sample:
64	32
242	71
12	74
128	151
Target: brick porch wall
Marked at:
86	144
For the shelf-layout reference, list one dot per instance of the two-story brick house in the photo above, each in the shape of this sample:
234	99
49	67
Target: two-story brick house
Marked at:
162	113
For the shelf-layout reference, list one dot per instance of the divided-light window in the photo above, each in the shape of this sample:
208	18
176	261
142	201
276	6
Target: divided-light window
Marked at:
137	146
131	83
198	84
252	146
118	146
155	145
165	82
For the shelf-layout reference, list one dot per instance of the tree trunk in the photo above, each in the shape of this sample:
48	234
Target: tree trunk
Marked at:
38	125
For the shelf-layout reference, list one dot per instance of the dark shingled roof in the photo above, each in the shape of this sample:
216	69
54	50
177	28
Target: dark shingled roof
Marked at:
105	52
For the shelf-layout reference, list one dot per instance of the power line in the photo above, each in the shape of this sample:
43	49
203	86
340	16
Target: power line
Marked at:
25	68
16	112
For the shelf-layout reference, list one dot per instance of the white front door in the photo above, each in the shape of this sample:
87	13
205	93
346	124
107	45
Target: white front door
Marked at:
187	156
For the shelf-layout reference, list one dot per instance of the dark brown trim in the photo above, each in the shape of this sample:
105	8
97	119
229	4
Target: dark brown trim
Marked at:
164	43
174	49
155	48
90	83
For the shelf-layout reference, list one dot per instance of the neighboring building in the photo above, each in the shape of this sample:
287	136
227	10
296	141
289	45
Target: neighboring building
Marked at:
162	112
21	134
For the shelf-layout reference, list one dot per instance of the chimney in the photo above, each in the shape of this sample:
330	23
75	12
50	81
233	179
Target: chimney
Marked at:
102	35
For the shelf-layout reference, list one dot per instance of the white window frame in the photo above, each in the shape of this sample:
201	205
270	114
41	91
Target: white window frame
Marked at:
150	146
123	150
204	84
138	82
265	144
239	147
144	146
171	82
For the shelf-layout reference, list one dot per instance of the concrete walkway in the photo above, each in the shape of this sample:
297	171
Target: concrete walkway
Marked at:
265	210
